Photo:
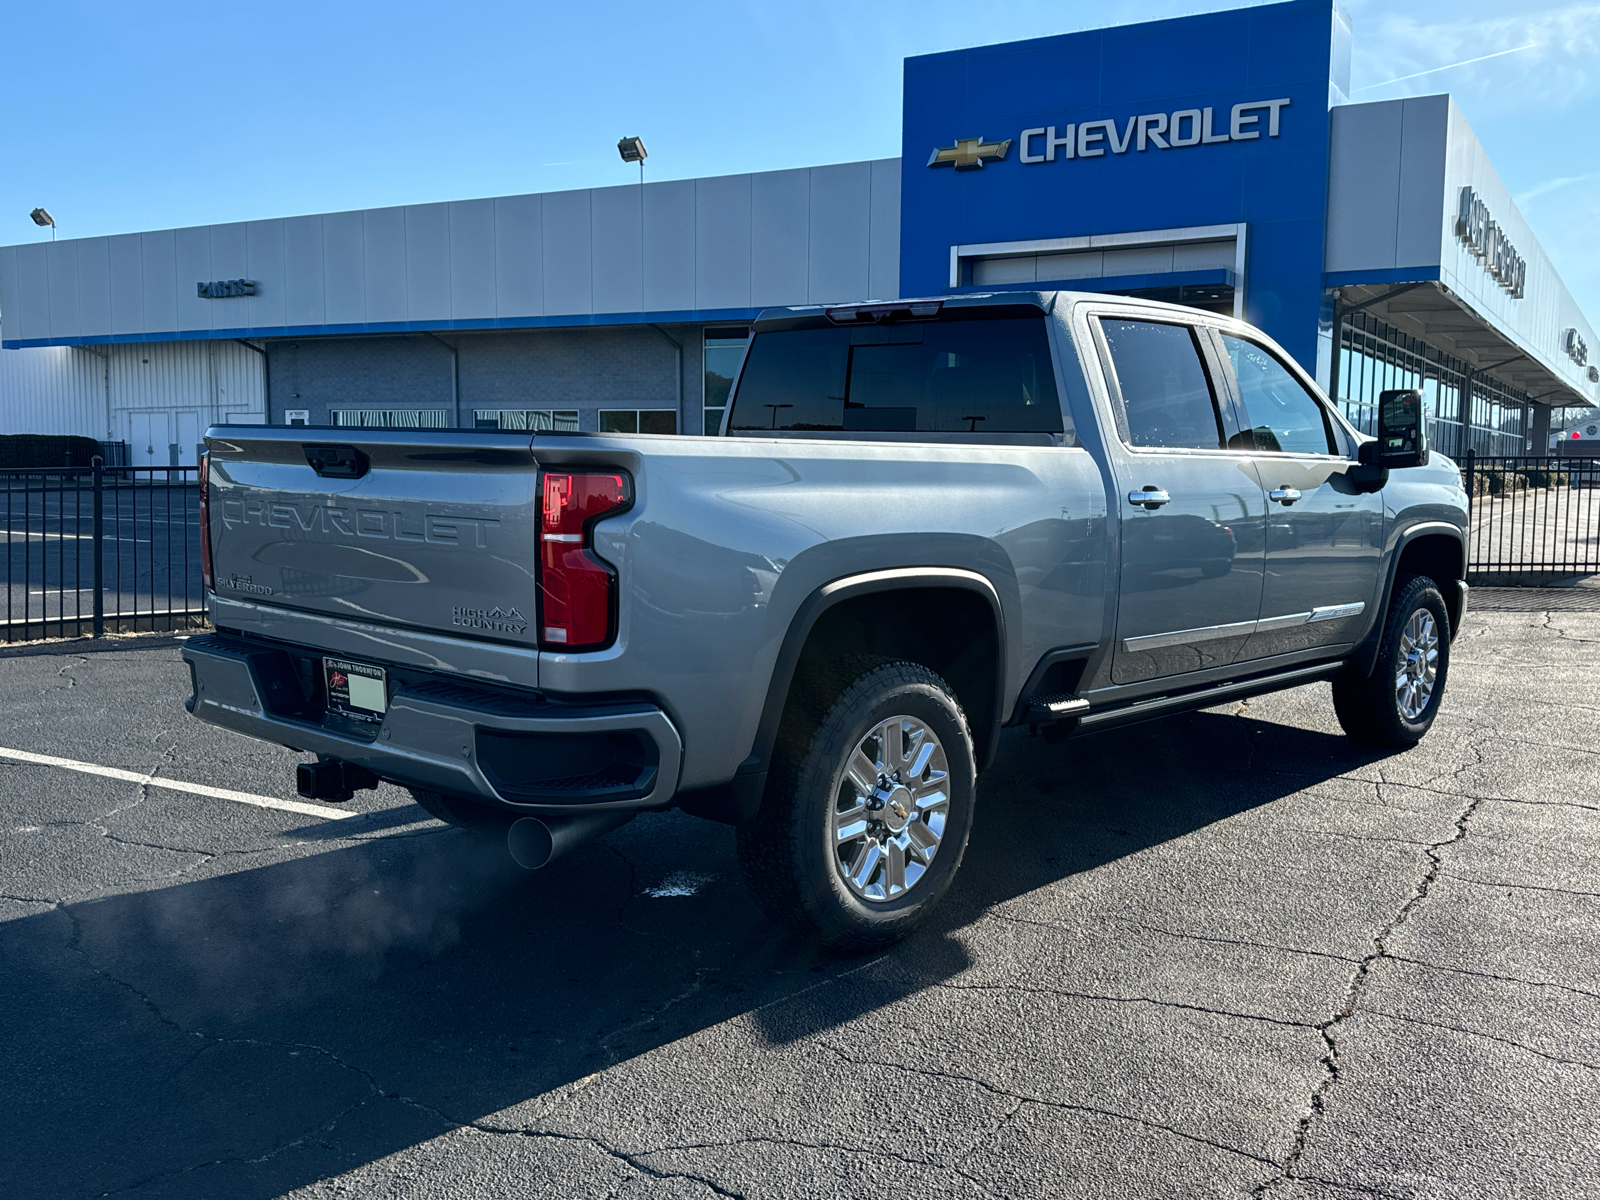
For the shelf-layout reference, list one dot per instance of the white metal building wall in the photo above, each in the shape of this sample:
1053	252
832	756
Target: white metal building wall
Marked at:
164	394
154	395
55	389
713	247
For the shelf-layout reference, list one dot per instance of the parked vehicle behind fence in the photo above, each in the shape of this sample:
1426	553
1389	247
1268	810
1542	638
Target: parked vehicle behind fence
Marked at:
923	521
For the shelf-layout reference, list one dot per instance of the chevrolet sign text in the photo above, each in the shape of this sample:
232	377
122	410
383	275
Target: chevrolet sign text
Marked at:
1152	131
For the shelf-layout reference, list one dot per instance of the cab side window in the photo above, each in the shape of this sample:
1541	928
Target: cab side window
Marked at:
1279	414
1166	393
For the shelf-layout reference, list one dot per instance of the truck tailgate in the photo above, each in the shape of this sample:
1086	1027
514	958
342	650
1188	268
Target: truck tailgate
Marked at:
424	528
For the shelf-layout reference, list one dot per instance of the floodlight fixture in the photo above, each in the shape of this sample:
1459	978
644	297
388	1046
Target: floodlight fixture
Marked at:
41	218
632	150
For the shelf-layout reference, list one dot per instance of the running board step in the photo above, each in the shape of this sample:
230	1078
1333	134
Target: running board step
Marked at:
1243	689
1058	707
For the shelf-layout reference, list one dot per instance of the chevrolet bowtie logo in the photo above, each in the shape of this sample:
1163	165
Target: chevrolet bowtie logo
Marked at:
968	153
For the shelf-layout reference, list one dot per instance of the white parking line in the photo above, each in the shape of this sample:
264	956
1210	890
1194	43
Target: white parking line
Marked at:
178	785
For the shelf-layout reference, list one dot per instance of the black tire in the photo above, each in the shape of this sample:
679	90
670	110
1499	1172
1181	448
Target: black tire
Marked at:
1369	709
789	855
463	813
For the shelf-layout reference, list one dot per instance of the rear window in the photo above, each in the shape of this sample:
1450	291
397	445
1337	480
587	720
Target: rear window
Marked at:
975	376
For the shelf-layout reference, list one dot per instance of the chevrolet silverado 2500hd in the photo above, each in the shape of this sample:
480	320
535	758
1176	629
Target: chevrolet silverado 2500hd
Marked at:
923	521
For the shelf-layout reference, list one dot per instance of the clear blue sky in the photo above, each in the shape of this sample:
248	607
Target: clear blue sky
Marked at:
134	116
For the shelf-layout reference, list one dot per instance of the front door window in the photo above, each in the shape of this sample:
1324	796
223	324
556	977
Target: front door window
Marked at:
1279	414
1324	537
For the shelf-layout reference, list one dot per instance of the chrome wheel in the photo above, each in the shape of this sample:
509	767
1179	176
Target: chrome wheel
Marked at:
890	811
1419	663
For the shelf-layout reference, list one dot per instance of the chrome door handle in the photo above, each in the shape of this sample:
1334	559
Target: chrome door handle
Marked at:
1284	495
1151	498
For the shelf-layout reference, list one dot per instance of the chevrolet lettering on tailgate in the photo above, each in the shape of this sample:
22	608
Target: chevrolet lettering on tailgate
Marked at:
448	529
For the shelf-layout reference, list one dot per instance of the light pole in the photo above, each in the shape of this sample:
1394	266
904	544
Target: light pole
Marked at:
41	218
632	150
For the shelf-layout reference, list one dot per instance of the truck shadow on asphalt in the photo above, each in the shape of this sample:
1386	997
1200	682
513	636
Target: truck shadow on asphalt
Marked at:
260	1028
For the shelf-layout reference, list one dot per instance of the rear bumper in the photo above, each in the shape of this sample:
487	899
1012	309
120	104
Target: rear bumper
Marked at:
462	739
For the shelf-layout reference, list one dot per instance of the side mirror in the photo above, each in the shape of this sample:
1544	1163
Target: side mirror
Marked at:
1402	433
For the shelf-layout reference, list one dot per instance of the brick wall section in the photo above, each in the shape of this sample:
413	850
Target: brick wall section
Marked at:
320	374
585	368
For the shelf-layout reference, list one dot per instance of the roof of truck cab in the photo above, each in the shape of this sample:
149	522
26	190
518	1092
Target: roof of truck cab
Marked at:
810	316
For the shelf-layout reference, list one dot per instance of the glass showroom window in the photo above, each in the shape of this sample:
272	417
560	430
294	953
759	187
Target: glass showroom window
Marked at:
638	420
540	420
392	418
724	348
1465	410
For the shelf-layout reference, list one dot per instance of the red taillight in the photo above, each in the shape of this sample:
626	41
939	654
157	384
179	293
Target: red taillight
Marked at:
206	577
577	591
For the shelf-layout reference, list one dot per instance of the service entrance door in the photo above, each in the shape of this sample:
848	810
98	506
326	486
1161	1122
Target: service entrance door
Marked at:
189	431
148	439
1192	510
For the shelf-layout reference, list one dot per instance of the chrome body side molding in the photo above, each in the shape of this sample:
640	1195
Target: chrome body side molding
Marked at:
1185	637
1207	633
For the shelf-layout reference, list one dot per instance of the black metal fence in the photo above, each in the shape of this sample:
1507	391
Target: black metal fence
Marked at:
1534	518
104	549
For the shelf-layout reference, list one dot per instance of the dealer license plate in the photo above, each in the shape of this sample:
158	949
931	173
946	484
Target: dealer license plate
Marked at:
356	689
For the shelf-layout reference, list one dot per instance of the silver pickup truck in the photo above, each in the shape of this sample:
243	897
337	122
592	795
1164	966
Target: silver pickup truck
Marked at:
923	521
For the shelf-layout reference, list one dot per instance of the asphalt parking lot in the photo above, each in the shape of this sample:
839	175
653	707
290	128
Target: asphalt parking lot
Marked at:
1228	954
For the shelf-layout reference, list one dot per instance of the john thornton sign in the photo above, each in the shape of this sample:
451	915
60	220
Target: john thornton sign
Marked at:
1488	242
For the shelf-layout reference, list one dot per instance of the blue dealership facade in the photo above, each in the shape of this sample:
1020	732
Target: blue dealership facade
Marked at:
1213	160
1203	122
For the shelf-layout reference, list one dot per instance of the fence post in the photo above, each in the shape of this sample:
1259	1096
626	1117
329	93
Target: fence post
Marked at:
98	464
1471	458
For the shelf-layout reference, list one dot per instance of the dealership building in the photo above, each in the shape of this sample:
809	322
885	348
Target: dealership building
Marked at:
1213	160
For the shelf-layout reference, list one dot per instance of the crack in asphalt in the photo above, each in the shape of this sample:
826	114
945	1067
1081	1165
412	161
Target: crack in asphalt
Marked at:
30	899
1531	887
1031	989
1064	1105
1543	983
1506	737
622	1156
229	1160
628	894
644	1023
875	1150
1549	623
1460	795
1222	941
71	665
99	824
74	944
1478	1033
1358	981
1358	837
